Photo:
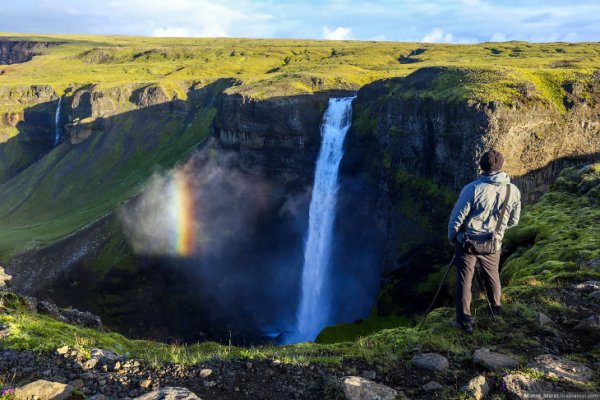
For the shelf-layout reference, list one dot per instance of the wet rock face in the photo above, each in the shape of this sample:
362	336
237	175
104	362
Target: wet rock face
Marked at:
277	137
17	51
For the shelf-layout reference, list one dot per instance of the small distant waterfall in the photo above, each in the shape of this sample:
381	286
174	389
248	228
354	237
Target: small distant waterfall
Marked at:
314	309
57	130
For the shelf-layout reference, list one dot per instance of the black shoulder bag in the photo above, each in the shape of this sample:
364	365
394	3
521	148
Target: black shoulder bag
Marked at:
485	243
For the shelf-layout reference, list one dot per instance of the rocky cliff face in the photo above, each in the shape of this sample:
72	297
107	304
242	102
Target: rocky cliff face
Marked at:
277	137
20	51
26	126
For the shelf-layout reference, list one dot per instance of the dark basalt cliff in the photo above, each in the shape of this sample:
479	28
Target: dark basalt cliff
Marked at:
276	137
20	51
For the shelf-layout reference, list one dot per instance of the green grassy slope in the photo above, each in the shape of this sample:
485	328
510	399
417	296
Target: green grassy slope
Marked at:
74	185
276	67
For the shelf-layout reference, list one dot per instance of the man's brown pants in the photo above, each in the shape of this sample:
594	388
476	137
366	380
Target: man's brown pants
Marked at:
465	266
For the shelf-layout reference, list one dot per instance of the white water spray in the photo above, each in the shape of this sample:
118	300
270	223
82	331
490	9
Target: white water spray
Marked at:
314	309
57	122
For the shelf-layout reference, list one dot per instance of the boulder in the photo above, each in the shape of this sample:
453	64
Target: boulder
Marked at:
4	279
518	386
105	356
477	388
554	366
205	372
595	295
494	361
44	390
169	393
590	324
50	309
83	318
357	388
587	287
430	361
542	319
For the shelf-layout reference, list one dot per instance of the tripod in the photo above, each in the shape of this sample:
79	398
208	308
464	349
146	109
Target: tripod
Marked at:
437	293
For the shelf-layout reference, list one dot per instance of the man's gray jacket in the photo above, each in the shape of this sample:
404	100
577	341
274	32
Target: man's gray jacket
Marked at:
478	207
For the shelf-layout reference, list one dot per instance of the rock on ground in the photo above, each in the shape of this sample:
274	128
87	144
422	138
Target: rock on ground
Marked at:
4	278
587	287
431	361
105	356
432	386
169	393
357	388
522	387
44	390
494	361
590	324
558	367
542	319
477	388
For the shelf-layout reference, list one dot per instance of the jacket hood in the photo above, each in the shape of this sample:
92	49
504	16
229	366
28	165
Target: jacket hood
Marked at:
496	178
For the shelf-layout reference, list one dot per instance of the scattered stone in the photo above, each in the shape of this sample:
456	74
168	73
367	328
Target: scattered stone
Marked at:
146	383
369	374
50	309
494	361
477	388
4	279
588	287
542	319
105	356
44	390
98	397
432	386
77	384
209	384
431	361
83	318
357	388
62	350
522	387
590	324
248	365
169	393
90	364
276	363
558	367
4	331
595	295
205	373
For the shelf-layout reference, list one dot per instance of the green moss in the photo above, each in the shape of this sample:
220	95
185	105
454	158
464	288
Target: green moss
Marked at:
558	236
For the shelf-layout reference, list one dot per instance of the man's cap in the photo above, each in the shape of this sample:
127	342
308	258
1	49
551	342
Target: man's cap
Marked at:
491	161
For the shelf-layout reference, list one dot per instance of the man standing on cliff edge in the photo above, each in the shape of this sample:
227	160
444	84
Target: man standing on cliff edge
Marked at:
485	208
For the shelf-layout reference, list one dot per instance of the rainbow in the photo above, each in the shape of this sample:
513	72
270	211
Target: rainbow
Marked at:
183	215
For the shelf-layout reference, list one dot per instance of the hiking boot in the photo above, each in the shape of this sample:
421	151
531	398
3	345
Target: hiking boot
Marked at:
466	326
497	311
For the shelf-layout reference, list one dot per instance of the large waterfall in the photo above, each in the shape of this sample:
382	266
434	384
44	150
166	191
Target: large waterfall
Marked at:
57	122
314	309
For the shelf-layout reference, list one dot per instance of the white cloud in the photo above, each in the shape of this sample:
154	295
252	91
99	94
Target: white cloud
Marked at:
171	32
498	37
339	33
438	36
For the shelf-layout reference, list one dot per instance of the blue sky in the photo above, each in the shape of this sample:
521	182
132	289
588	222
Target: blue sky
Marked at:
451	21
